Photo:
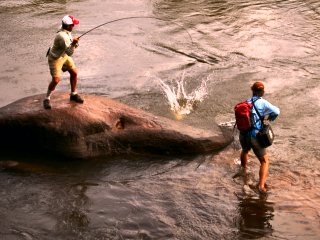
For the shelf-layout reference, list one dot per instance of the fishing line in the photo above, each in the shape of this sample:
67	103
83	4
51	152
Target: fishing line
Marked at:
138	17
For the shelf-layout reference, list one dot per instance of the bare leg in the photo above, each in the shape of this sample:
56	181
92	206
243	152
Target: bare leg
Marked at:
52	86
74	96
264	161
244	158
73	79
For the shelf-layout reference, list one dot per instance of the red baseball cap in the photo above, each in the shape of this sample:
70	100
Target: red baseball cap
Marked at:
69	20
257	86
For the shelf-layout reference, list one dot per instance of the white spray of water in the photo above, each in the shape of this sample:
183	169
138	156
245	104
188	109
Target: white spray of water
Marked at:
180	102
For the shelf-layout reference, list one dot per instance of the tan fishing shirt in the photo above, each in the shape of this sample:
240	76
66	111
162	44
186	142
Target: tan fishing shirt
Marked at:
62	44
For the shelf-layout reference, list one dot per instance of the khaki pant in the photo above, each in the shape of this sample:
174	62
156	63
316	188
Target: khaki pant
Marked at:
64	63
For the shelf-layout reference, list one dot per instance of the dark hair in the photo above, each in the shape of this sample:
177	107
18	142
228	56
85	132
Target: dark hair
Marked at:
65	26
258	93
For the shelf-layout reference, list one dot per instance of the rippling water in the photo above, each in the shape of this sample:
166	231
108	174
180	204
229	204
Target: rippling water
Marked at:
233	43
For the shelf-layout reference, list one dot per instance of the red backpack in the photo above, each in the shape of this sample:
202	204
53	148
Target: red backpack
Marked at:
243	115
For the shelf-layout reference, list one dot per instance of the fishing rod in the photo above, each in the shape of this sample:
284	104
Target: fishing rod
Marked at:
137	17
199	59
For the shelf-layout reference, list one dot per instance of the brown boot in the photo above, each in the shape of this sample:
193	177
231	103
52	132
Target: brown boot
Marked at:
76	98
46	104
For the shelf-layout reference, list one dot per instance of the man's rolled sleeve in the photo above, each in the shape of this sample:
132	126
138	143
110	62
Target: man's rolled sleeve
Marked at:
271	110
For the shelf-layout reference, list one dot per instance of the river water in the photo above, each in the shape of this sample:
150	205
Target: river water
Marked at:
226	44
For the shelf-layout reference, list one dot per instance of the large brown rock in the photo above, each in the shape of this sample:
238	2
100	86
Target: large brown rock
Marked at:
99	127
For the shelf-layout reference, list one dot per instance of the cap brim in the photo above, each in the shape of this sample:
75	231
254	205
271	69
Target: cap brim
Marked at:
75	21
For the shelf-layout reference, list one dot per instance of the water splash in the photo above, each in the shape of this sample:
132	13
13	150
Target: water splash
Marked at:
182	103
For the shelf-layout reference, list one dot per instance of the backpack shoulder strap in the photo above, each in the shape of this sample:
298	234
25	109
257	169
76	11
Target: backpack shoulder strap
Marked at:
261	118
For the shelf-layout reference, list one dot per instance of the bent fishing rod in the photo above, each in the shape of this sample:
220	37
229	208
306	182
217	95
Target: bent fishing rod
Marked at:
137	17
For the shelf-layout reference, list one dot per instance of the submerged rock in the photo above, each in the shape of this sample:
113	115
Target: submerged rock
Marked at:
99	127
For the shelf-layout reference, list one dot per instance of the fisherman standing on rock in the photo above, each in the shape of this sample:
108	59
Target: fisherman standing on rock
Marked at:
59	59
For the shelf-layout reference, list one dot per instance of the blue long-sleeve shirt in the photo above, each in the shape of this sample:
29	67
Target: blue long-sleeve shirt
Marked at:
265	108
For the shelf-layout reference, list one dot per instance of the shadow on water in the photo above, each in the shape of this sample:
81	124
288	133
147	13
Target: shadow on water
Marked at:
74	198
107	168
255	217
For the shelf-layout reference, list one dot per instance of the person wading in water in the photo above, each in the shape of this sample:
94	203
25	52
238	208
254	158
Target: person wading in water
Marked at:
59	59
248	139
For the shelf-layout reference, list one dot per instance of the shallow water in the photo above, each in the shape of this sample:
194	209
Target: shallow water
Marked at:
233	43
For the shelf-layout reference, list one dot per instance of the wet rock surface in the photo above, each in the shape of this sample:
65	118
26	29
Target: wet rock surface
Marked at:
99	127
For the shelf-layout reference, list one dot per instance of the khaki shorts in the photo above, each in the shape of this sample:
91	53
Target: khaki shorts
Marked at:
247	142
64	63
